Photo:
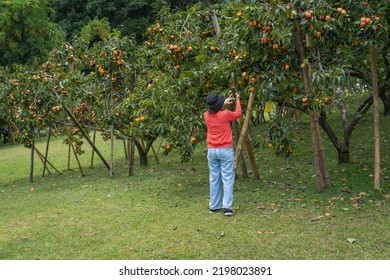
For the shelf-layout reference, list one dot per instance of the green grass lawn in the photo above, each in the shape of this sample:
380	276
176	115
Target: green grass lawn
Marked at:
162	211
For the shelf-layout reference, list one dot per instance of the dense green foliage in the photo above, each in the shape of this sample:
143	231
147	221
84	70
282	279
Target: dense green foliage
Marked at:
129	16
26	34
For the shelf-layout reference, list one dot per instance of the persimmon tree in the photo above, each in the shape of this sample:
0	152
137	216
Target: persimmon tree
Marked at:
32	107
185	66
290	53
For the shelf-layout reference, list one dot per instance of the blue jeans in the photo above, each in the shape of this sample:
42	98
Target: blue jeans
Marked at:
221	165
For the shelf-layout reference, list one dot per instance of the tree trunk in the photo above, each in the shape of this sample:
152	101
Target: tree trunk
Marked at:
143	154
343	153
375	94
143	149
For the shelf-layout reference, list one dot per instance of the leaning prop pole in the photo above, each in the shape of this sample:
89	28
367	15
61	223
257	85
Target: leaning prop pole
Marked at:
244	137
46	152
247	140
86	137
244	130
322	174
42	158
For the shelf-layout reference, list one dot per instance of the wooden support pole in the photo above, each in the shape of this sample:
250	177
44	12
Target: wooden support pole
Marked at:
125	148
74	152
244	130
42	158
46	152
31	177
48	162
93	151
375	95
69	146
77	159
131	149
252	158
112	152
86	137
236	132
214	19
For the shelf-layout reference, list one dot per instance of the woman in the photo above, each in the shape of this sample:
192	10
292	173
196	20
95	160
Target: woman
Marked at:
220	151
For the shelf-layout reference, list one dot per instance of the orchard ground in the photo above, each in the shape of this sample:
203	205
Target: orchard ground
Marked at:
162	211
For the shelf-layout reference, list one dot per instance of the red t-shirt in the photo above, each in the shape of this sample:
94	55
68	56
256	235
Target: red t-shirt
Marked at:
219	132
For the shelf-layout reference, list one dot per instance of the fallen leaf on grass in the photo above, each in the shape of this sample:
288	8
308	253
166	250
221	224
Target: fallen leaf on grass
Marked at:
316	218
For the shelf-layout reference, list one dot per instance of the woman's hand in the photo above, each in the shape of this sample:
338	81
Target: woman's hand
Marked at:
228	100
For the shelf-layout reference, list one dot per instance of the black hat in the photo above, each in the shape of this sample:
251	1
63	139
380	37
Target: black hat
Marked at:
215	102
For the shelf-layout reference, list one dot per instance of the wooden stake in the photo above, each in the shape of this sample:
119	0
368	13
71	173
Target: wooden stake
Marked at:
42	157
375	95
214	19
31	177
124	147
321	151
46	152
93	151
236	132
74	152
86	137
252	158
244	129
77	159
69	145
131	155
112	152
